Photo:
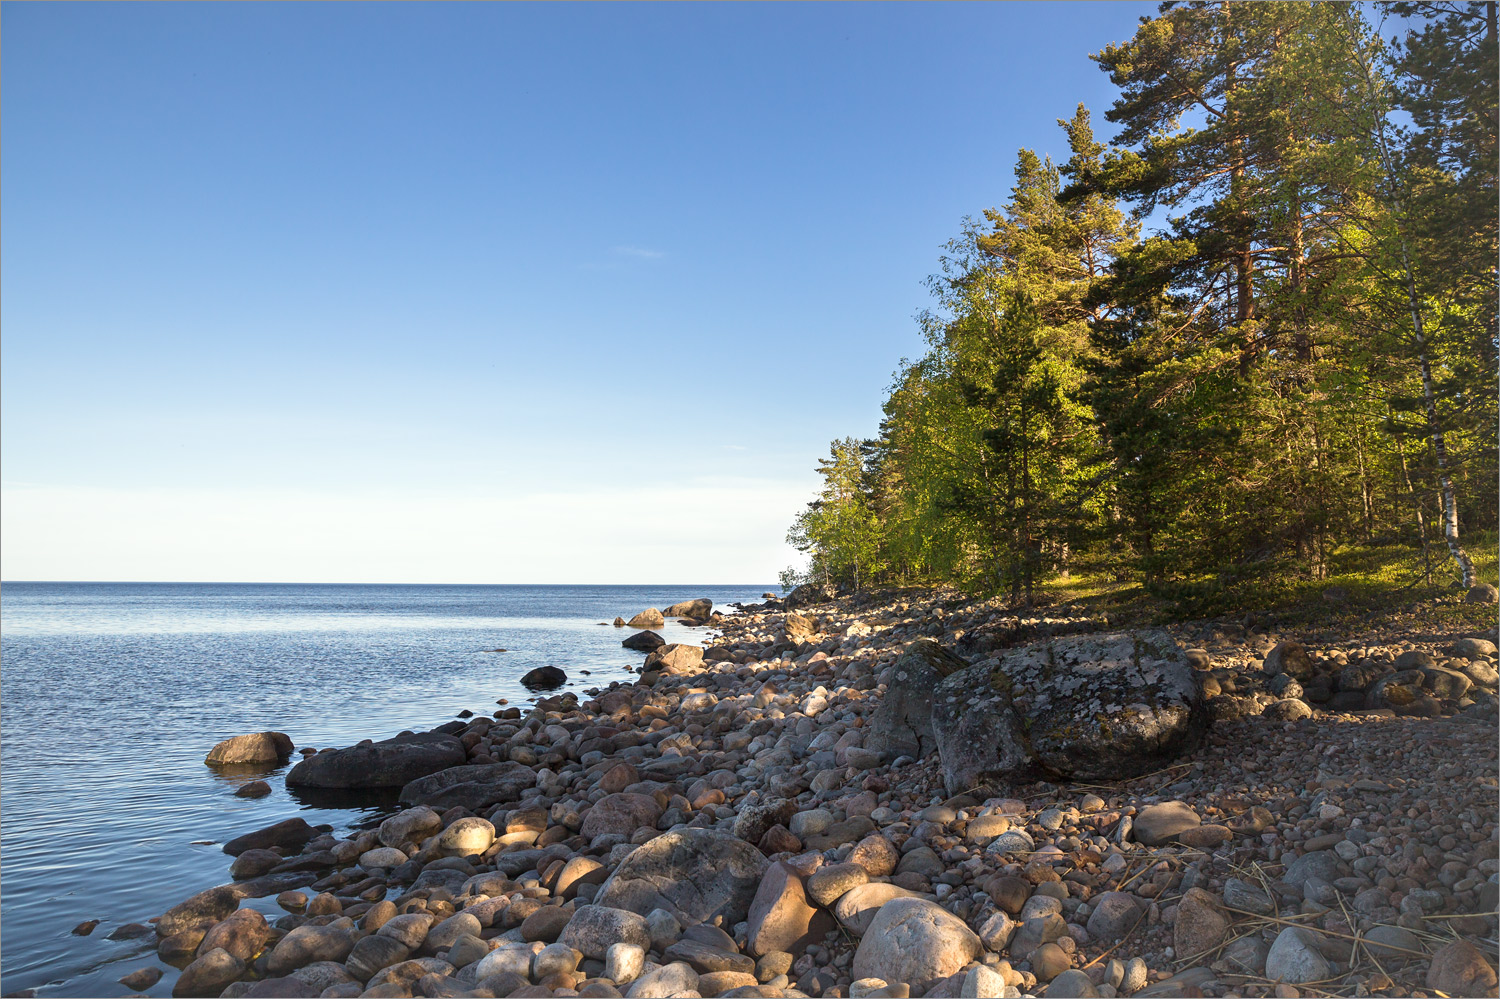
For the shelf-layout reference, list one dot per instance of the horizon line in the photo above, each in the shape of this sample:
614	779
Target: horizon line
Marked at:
257	582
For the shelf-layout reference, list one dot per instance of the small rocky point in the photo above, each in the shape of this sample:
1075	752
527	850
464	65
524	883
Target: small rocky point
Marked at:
899	795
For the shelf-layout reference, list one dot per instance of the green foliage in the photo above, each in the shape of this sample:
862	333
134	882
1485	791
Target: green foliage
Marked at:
839	528
1299	366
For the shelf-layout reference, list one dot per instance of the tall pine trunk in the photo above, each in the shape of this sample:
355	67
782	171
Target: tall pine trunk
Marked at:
1435	434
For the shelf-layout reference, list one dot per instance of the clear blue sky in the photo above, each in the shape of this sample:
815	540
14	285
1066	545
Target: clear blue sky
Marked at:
479	293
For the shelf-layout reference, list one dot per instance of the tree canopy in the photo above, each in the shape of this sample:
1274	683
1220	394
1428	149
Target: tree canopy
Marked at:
1297	353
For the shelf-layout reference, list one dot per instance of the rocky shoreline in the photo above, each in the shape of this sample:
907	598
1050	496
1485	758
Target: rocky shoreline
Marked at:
769	817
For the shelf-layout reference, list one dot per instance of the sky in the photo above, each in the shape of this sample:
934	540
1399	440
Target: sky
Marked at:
431	293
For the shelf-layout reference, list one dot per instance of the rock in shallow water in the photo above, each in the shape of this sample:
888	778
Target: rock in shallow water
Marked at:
390	763
259	747
544	678
644	641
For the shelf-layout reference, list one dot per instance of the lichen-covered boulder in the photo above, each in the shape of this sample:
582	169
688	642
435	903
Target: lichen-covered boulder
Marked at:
699	873
902	725
1085	707
808	594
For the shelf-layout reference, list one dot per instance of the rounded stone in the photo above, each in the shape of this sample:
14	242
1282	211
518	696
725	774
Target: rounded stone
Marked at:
466	837
382	856
914	941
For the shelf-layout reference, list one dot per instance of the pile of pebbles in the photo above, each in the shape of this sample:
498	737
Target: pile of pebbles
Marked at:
718	828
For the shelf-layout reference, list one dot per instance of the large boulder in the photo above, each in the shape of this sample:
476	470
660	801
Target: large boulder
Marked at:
391	763
259	747
808	594
915	941
1085	707
621	813
648	618
697	873
644	641
902	725
698	610
677	660
474	786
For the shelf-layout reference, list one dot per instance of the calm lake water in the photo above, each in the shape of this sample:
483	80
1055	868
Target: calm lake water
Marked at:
111	694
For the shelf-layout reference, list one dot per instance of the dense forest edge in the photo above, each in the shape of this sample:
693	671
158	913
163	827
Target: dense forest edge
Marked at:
1245	359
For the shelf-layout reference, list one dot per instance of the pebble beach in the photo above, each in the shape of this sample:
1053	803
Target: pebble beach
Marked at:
742	821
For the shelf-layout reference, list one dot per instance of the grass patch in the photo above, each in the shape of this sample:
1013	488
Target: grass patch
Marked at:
1365	583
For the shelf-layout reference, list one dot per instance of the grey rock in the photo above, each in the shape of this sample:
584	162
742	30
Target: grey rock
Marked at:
1289	657
856	908
1247	955
390	763
902	724
808	594
675	979
1084	707
199	911
699	873
1393	943
1483	593
1071	984
307	944
644	641
916	942
208	974
1114	914
544	678
1473	648
475	786
1157	825
1287	709
291	834
595	928
1294	958
698	610
373	954
1324	865
1247	897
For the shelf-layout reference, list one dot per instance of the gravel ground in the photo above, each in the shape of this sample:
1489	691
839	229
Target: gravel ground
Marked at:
719	828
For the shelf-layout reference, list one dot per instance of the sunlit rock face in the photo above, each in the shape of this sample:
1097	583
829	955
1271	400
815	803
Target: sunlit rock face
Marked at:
1086	707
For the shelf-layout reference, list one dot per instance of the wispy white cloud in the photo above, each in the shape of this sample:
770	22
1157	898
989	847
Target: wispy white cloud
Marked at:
638	252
